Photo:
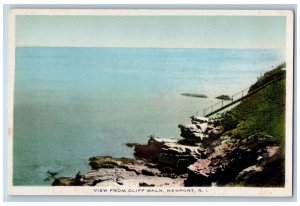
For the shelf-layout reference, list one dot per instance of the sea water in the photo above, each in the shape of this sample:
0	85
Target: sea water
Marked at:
74	103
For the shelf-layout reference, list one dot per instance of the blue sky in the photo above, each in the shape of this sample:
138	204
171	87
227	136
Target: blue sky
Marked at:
151	31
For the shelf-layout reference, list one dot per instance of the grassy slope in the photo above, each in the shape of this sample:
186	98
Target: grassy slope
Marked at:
264	111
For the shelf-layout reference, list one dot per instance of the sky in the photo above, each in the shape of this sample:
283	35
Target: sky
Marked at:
261	32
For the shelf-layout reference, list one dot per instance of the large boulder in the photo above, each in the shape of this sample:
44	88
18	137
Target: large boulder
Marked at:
268	172
64	181
227	160
150	171
200	173
69	181
201	130
168	154
192	132
150	152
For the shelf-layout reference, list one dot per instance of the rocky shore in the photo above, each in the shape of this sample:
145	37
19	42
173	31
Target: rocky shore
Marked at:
242	147
207	155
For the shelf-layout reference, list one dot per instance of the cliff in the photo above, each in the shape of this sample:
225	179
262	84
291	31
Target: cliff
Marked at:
251	149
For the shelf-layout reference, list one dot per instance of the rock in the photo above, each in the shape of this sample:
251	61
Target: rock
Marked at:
202	127
176	163
272	150
227	160
79	179
178	149
131	144
119	177
144	184
98	181
191	133
150	171
119	180
150	165
248	172
202	130
183	175
63	181
172	175
268	172
224	97
215	131
168	153
108	162
194	95
202	158
52	173
200	173
202	167
150	151
197	119
137	168
166	170
157	146
103	162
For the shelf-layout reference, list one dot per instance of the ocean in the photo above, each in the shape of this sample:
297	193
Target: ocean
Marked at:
74	103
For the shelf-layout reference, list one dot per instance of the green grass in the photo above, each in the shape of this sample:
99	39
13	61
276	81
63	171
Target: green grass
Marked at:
264	112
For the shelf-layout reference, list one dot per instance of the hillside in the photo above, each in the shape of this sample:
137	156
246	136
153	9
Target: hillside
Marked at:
264	112
258	122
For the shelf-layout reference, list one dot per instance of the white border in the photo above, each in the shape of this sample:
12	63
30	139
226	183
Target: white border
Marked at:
205	191
11	80
149	12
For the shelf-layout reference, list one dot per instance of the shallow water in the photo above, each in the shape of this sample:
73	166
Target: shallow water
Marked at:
74	103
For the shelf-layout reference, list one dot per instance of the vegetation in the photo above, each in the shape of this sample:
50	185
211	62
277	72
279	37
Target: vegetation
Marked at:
228	120
264	112
269	76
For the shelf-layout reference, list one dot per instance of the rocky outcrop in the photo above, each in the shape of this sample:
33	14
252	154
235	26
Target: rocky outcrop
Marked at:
168	155
150	152
160	162
207	155
192	133
269	170
110	162
69	181
129	174
150	171
201	130
227	160
64	181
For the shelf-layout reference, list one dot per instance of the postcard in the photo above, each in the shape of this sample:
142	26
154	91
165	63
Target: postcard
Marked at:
150	102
